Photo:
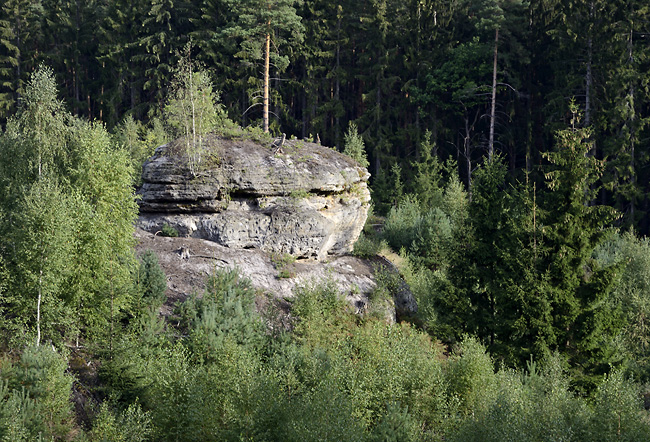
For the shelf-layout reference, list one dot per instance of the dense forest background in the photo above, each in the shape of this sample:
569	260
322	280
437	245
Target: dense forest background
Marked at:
508	142
395	68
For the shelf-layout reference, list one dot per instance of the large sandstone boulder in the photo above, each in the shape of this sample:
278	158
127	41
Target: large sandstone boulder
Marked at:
305	199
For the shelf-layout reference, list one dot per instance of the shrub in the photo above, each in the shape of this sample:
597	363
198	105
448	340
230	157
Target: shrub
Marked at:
368	246
168	231
427	236
396	425
283	264
131	425
470	376
618	412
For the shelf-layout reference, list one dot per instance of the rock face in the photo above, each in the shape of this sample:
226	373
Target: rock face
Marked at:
187	262
305	200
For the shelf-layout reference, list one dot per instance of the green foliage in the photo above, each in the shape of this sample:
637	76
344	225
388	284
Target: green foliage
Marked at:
317	307
168	231
426	235
525	268
126	369
20	35
35	396
537	406
577	287
354	146
40	262
283	264
389	283
19	418
71	218
191	110
151	280
131	425
618	411
388	189
631	296
488	299
140	141
104	258
396	425
430	174
471	376
325	414
226	312
299	194
368	246
428	228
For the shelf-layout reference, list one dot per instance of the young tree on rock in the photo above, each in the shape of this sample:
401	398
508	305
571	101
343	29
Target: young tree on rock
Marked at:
191	110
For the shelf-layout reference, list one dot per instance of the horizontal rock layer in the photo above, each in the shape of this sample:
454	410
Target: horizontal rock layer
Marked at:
306	200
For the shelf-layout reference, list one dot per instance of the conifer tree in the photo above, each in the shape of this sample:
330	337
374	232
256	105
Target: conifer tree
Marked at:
122	74
20	35
576	287
165	26
70	51
354	146
261	28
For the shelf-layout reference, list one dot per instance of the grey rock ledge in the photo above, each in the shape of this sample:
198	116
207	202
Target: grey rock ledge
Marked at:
310	201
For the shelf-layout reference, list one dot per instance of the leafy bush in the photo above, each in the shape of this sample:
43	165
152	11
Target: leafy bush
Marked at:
427	236
631	296
283	264
618	412
368	246
470	376
131	425
320	312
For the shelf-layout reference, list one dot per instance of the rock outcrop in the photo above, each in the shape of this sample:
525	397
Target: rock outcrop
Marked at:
304	199
187	262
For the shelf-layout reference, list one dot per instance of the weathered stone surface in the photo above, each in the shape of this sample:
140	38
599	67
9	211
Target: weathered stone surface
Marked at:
187	262
308	200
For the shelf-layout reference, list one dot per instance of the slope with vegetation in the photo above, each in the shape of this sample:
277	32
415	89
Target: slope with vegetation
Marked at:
532	304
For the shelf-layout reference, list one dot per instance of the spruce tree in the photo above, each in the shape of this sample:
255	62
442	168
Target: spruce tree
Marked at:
20	35
354	146
576	287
